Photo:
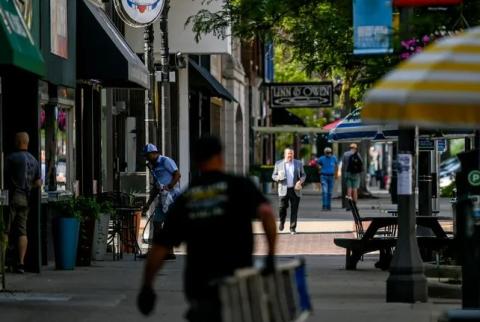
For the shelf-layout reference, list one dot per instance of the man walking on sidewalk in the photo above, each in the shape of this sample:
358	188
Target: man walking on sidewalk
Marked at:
290	176
165	179
328	173
352	167
214	217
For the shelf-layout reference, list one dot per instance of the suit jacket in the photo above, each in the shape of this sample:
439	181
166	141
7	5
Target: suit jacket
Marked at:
298	174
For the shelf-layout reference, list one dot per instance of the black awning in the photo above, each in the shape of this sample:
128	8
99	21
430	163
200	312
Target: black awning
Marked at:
102	52
281	116
200	78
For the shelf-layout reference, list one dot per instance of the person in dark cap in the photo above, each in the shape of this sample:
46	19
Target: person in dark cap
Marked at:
214	218
165	186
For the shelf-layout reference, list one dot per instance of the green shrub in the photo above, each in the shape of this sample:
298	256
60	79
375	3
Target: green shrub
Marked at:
448	191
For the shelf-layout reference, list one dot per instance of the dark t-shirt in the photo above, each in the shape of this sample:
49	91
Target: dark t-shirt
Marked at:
214	217
21	170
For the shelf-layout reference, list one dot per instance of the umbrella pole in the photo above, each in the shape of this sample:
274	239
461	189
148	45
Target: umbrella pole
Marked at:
407	281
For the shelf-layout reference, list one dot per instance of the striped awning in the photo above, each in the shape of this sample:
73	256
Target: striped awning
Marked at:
439	87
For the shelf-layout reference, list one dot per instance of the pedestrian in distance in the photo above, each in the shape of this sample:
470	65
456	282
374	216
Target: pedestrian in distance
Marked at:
353	164
22	174
164	189
214	218
290	176
328	165
313	163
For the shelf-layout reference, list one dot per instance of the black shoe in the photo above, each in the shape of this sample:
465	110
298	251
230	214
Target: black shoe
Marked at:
282	226
170	257
20	269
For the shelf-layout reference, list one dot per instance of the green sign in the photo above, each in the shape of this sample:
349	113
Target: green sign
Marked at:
16	43
474	178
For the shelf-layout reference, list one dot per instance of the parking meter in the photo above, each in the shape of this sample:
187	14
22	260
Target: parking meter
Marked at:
468	226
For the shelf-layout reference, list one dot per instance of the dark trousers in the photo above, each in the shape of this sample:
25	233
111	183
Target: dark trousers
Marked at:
294	200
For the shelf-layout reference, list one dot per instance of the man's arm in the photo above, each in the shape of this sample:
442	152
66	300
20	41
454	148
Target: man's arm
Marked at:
303	176
275	173
267	216
175	178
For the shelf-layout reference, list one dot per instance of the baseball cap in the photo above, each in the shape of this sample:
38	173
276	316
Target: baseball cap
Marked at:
149	148
327	150
353	145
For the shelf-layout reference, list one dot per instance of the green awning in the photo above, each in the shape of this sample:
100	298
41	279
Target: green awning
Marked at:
16	43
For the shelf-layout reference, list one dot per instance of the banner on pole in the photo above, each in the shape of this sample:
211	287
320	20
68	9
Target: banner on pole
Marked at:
372	27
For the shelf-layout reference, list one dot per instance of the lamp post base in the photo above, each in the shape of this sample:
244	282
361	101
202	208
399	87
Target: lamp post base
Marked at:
407	288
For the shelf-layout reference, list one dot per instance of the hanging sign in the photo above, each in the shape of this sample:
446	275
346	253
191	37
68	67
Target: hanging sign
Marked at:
426	144
442	145
315	95
139	13
372	27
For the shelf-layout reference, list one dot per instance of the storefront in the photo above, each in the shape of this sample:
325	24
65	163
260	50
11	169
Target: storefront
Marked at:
21	66
104	61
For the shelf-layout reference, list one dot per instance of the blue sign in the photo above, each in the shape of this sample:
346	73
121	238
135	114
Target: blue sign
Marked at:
372	27
426	144
442	145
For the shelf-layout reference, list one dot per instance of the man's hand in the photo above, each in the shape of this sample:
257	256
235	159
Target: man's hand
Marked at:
146	300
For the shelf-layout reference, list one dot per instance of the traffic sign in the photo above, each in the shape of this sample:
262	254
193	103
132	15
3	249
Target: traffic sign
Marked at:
426	144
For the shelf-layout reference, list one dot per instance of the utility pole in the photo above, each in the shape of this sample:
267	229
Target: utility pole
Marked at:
148	36
164	132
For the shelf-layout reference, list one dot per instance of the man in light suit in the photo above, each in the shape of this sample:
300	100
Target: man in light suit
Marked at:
290	176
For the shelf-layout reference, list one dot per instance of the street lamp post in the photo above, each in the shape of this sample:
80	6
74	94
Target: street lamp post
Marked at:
407	281
164	134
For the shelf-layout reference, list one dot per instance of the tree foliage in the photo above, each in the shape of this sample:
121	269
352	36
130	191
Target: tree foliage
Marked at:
319	35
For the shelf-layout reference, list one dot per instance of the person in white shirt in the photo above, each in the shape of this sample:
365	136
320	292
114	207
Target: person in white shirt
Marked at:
290	176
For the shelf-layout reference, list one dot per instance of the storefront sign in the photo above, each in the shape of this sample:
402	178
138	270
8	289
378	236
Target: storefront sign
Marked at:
426	144
405	177
139	13
313	95
58	28
372	27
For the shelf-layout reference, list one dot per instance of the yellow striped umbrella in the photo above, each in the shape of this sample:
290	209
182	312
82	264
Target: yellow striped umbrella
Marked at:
439	87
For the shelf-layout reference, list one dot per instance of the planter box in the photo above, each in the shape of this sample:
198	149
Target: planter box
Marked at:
100	238
65	236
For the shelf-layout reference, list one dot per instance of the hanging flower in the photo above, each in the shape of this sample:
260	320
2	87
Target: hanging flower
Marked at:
62	120
42	118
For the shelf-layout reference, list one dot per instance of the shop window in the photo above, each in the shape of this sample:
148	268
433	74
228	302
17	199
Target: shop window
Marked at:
56	147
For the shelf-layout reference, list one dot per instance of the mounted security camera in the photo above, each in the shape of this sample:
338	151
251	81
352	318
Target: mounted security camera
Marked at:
180	60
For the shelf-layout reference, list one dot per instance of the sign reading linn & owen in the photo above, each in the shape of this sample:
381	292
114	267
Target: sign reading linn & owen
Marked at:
314	95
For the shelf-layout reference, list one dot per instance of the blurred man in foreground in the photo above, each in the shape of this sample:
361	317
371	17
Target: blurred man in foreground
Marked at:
214	217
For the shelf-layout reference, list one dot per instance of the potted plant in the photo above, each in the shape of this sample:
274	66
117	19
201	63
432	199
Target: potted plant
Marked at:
66	224
101	231
89	210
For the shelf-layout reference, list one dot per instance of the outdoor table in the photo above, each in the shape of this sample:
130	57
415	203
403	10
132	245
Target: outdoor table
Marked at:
377	222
